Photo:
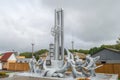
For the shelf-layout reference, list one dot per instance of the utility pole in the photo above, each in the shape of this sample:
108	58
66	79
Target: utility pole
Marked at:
72	45
32	48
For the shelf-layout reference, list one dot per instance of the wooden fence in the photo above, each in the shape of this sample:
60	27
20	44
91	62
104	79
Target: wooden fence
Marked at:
109	68
18	66
106	68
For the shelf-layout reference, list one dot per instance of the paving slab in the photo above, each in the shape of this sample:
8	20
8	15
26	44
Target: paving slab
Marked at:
32	76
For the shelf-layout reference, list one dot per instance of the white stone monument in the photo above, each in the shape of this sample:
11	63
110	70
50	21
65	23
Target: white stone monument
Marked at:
59	64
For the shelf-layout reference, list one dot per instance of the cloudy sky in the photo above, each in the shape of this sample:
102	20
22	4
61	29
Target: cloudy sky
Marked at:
88	23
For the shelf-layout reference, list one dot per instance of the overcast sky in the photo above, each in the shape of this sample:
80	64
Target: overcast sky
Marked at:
88	23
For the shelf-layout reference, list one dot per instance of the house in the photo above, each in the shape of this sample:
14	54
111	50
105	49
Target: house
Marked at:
23	60
108	55
8	57
20	57
110	59
0	57
80	55
0	63
12	61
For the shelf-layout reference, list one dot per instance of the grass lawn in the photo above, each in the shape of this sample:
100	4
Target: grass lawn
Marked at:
3	75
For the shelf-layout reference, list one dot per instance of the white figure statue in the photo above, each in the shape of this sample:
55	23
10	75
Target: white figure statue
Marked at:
40	61
40	64
79	62
90	65
32	64
70	60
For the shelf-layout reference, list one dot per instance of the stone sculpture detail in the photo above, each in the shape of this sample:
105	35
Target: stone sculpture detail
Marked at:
32	65
88	66
36	66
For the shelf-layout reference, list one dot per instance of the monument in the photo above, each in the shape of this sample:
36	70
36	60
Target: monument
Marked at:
57	63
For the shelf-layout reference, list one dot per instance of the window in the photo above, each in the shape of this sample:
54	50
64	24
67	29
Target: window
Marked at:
103	62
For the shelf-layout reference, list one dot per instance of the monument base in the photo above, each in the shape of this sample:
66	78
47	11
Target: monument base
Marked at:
56	64
101	76
32	76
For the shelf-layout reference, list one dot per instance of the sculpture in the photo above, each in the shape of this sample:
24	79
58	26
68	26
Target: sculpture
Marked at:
32	65
39	65
70	60
40	61
58	65
36	66
88	66
58	58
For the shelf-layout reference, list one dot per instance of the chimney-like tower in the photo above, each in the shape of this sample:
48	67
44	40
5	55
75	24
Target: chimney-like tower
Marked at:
59	35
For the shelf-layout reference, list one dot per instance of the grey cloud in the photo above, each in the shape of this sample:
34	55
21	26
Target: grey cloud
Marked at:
23	22
88	22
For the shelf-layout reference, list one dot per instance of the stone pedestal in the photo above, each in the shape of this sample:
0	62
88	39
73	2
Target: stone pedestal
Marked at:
57	63
33	76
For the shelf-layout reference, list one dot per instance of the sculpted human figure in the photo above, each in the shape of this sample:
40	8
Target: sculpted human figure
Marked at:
40	62
38	65
32	64
90	65
79	62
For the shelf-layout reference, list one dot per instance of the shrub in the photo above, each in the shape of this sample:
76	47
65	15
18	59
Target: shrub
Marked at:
3	74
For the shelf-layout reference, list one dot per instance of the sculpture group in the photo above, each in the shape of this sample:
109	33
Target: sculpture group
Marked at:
60	62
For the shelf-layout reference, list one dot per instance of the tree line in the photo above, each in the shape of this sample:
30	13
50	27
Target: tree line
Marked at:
89	51
96	49
36	53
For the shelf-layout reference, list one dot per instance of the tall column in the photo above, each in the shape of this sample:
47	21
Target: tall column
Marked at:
62	35
72	45
59	35
56	37
32	48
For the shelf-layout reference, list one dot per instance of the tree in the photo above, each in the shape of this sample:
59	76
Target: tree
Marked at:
26	54
83	51
39	52
118	41
72	51
36	54
93	50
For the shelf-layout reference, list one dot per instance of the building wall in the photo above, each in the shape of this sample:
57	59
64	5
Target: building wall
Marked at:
12	58
19	57
18	67
5	65
109	69
107	55
0	66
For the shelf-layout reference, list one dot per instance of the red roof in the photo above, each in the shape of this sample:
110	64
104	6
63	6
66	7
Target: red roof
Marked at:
6	56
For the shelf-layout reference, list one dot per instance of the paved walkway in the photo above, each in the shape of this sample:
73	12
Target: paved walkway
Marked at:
25	78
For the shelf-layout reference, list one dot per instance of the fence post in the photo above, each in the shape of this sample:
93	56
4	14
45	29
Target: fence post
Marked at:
113	68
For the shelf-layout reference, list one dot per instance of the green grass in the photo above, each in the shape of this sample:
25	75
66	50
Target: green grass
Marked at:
3	74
